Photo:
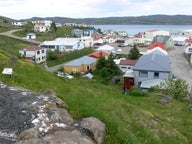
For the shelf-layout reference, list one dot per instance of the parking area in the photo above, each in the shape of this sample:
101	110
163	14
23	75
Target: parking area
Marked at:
179	65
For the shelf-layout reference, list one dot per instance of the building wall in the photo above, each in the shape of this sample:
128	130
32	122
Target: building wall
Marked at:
138	79
79	69
152	34
37	56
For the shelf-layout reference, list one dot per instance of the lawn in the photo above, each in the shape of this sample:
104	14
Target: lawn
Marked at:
70	56
129	119
41	37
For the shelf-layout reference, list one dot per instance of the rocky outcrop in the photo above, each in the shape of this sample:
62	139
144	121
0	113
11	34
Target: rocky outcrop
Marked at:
41	118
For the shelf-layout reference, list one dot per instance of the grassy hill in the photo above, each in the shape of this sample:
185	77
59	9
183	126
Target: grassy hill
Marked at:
129	119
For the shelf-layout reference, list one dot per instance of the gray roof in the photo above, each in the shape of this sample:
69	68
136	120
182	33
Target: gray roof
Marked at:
161	38
80	61
153	61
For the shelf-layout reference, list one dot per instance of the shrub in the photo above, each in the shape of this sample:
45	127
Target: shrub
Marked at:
135	91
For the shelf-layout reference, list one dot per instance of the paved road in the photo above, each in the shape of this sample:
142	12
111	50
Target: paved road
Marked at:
179	65
54	68
10	34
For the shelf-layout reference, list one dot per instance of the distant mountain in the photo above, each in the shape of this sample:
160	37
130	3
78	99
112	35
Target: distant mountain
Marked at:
146	20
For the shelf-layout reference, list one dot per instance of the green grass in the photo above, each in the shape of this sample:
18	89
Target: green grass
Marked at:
70	56
129	119
61	32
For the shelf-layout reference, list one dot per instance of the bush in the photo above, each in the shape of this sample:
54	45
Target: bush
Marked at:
135	91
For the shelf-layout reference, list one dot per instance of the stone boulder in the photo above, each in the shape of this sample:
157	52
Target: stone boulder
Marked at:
41	118
96	127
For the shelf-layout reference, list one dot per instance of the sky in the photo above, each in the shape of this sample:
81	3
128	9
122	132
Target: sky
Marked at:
23	9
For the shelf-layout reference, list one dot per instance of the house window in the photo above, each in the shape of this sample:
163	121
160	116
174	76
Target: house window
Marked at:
42	51
38	52
143	74
156	74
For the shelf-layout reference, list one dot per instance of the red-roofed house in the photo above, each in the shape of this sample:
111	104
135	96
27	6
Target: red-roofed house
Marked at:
98	54
124	65
139	38
188	41
157	44
34	53
40	27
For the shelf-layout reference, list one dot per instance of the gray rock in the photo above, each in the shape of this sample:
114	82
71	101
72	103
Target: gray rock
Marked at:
33	141
40	118
61	116
96	127
67	137
164	99
28	134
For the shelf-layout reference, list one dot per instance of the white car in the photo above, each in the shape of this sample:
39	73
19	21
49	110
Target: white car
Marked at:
66	75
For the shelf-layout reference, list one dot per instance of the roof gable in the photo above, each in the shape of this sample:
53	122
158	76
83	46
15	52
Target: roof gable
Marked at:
33	48
161	38
80	61
157	44
128	62
153	62
98	54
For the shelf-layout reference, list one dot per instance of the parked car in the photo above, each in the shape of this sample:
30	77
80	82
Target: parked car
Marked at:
65	75
122	45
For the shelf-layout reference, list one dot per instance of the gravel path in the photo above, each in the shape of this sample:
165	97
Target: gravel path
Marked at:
10	34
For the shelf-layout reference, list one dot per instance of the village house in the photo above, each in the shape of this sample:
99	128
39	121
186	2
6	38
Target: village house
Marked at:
34	53
149	35
157	45
87	41
19	23
124	65
31	36
122	33
97	42
98	54
84	64
77	32
40	27
106	48
139	39
63	44
166	40
151	69
110	39
188	49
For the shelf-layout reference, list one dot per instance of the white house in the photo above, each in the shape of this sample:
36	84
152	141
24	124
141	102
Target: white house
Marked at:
87	41
123	33
34	53
152	33
31	36
40	27
19	23
63	44
106	48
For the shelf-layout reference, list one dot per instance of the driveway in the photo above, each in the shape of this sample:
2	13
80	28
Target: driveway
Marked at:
10	34
179	65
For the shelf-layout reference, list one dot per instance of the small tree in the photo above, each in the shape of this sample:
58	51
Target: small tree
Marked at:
177	89
134	53
53	27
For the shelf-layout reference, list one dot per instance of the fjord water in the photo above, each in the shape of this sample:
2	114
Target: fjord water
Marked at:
134	29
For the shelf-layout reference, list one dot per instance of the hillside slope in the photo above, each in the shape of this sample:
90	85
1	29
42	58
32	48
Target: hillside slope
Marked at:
129	119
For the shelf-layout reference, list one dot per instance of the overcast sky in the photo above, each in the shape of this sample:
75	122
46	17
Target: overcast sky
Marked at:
21	9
